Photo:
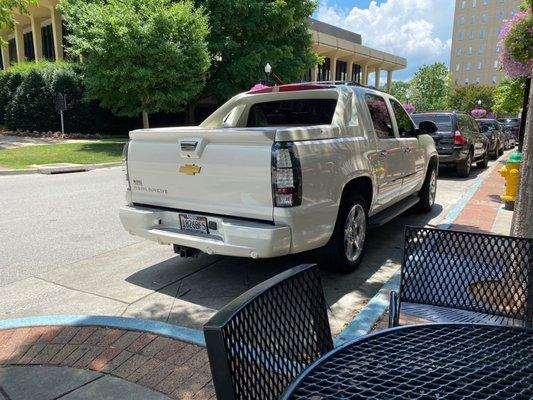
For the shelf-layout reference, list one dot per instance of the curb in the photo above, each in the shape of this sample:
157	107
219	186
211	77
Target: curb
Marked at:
59	170
364	321
193	336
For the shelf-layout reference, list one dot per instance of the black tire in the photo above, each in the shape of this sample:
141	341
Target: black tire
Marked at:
485	162
500	151
429	191
334	255
465	166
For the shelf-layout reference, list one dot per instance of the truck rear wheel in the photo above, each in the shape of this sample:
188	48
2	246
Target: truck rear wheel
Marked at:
464	166
346	248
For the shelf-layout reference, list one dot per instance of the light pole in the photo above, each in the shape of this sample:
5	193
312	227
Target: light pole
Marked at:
479	103
268	70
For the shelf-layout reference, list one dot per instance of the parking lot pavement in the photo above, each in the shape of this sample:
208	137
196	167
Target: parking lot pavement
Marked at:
145	280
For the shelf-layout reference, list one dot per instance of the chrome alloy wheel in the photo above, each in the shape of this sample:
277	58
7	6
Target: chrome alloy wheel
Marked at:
432	187
354	232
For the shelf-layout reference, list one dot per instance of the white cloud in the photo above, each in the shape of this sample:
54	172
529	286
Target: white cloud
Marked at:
419	30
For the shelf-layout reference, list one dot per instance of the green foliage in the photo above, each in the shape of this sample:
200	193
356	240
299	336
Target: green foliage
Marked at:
32	106
509	97
6	14
465	98
430	87
139	55
401	90
246	34
9	82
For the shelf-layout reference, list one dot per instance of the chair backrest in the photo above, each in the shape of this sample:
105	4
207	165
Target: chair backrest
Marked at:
262	340
489	274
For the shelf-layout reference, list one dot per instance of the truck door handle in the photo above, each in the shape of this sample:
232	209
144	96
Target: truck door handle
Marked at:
383	153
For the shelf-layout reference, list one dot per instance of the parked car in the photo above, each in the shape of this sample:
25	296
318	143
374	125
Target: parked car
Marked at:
279	171
497	136
458	140
511	124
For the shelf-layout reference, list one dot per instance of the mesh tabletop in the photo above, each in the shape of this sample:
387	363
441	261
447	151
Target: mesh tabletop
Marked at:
425	362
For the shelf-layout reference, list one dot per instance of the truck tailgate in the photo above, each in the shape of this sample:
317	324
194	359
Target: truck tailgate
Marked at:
218	171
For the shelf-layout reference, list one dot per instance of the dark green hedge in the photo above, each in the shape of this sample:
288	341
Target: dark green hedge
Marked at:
27	93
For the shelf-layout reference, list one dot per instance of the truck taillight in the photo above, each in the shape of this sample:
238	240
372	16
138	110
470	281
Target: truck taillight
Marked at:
125	163
286	176
458	138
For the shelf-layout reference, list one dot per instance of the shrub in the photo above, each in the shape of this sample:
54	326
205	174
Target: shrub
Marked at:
9	82
32	107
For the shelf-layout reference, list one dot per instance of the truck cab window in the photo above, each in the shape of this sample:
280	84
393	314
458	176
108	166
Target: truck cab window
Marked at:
406	127
292	112
380	116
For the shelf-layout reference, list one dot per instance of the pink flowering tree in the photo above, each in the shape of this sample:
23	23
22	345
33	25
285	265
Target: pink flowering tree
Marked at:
478	112
410	108
516	43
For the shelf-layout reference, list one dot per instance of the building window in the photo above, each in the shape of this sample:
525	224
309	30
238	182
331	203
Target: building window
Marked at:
463	4
12	48
482	33
468	66
459	51
478	79
481	49
484	17
466	81
341	72
501	14
496	64
461	21
485	2
461	35
480	65
458	67
513	12
497	49
469	52
470	34
473	19
48	42
494	79
474	3
29	51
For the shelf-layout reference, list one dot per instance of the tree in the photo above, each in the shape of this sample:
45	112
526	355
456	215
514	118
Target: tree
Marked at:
401	90
509	96
140	56
430	87
246	34
466	98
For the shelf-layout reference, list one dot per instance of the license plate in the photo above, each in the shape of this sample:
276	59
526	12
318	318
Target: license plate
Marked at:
193	223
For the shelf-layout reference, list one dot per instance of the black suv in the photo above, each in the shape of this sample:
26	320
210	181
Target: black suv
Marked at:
496	135
458	140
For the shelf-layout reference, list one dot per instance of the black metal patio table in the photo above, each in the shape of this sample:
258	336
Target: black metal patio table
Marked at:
433	361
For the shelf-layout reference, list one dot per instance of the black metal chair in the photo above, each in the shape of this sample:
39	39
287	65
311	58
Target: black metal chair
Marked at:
262	340
452	276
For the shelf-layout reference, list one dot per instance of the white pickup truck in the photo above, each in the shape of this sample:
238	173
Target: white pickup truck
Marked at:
281	170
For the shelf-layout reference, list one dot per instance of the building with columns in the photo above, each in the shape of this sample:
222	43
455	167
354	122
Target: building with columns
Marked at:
346	59
41	35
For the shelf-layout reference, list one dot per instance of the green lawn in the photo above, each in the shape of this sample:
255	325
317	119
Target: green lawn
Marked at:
76	153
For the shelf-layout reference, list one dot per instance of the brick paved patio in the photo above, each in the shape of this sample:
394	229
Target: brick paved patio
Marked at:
175	368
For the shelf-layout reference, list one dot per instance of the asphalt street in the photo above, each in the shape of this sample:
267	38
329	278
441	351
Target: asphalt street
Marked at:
64	252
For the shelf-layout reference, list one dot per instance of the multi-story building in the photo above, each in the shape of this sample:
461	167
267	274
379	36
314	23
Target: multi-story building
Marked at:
476	26
41	35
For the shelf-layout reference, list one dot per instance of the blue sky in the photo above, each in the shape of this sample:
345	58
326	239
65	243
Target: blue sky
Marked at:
419	30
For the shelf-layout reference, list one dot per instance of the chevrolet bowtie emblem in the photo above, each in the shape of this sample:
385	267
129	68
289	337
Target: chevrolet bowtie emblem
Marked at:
189	169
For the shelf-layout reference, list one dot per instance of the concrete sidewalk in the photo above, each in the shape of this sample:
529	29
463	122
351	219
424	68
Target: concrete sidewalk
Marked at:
68	362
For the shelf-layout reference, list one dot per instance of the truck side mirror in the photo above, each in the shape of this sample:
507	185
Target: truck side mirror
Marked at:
427	128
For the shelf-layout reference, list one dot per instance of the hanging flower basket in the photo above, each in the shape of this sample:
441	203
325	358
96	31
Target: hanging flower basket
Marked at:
478	112
516	44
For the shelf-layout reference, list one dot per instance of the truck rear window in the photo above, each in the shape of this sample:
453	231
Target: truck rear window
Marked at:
292	112
443	122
